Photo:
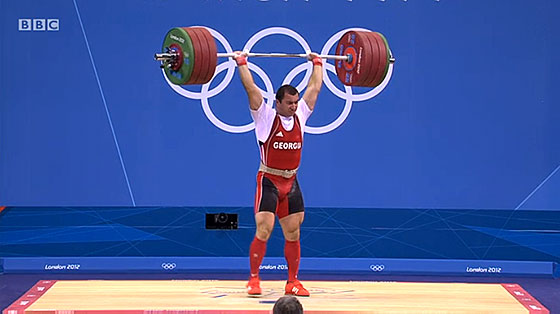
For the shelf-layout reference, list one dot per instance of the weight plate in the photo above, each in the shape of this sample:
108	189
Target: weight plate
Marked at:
373	60
352	42
198	55
388	56
381	60
206	51
212	55
179	37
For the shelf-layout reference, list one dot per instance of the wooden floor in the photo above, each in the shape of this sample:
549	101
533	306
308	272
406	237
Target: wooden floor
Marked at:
228	296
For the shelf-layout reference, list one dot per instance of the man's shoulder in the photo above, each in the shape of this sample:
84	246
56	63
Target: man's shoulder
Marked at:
263	111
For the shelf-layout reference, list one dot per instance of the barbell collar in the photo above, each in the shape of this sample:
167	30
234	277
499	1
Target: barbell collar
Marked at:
165	56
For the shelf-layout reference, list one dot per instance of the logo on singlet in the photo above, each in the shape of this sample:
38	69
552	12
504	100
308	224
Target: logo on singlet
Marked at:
286	145
279	134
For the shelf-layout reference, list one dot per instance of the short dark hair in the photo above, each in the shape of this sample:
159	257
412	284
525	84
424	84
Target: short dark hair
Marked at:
286	89
287	305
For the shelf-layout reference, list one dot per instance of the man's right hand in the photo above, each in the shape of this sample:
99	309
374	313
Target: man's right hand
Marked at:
240	58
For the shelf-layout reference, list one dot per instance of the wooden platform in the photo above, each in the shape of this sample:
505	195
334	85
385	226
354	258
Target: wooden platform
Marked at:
227	296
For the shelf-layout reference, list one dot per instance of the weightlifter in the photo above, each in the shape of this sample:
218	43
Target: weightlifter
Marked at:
279	134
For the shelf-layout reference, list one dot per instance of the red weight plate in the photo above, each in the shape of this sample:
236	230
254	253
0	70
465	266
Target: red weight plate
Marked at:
349	65
200	56
342	67
197	68
382	60
212	55
204	56
351	73
373	60
366	62
388	62
207	56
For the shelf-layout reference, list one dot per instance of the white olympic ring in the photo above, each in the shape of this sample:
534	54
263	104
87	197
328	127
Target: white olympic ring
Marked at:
377	267
288	32
268	94
168	266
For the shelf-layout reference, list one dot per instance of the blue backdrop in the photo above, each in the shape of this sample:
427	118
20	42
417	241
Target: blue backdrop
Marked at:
469	118
455	156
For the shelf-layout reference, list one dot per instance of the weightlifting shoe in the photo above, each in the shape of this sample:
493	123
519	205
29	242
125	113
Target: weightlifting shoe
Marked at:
296	288
254	286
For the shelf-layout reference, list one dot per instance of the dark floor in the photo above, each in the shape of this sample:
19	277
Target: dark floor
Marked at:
545	290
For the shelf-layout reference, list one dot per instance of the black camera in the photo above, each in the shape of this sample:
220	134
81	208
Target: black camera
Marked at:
221	221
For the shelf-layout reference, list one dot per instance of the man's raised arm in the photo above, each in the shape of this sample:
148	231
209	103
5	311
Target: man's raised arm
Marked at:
253	92
315	82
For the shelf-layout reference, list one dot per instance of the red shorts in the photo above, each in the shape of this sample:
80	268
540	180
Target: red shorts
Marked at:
278	195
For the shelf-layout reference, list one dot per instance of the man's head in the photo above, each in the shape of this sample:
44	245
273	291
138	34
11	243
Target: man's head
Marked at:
287	305
287	98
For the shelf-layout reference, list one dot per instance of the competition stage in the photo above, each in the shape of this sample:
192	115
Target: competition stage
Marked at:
229	296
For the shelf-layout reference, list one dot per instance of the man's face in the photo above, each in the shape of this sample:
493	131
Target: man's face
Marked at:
288	106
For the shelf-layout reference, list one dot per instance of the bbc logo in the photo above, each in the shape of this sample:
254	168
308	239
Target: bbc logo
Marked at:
38	25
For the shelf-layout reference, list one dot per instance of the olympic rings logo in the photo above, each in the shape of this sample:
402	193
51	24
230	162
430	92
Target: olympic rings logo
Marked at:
377	268
269	94
168	266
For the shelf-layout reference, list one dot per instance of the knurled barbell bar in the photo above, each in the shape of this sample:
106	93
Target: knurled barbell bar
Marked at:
190	57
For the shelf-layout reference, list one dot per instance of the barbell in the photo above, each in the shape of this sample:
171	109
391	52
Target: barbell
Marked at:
189	56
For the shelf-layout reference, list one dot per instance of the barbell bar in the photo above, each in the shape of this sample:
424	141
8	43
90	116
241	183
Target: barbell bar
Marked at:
190	57
283	55
170	56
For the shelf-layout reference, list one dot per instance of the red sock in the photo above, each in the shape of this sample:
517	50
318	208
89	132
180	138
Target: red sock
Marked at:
292	253
256	255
